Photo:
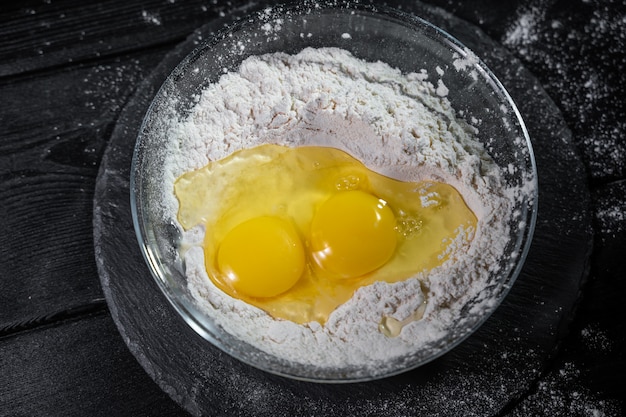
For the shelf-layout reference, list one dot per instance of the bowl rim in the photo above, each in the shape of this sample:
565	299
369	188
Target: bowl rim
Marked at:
208	331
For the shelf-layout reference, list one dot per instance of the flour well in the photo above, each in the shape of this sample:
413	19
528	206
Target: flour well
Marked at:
399	125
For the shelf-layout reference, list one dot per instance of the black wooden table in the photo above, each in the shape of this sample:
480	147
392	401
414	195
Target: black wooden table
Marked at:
68	72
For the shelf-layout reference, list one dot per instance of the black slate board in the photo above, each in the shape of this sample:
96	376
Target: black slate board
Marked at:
485	375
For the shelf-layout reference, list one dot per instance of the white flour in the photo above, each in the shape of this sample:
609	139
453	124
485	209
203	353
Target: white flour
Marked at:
397	124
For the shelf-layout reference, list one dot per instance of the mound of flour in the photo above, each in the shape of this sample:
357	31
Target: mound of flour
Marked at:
397	124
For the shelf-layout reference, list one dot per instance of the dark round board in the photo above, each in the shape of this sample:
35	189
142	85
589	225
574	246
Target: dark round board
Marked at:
485	375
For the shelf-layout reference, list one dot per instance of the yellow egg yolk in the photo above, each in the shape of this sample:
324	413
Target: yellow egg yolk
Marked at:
296	231
261	257
353	233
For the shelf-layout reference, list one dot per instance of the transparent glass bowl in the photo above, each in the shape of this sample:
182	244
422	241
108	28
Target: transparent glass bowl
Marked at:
375	33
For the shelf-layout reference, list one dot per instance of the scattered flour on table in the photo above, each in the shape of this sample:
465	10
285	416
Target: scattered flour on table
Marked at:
560	394
397	124
595	339
588	88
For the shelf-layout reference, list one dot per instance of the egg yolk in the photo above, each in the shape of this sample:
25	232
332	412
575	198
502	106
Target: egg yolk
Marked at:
296	231
353	233
261	257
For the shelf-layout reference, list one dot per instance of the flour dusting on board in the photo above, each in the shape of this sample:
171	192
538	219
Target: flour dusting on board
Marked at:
548	41
397	124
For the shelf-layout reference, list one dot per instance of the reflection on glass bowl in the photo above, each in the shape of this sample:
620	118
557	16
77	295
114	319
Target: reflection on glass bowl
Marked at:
370	34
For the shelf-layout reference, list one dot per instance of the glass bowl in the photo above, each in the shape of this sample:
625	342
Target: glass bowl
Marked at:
370	33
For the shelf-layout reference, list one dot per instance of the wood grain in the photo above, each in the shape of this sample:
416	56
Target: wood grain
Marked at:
76	367
43	35
54	131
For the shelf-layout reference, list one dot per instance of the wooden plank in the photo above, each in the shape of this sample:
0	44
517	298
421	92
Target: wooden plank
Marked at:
43	34
76	368
55	127
42	110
